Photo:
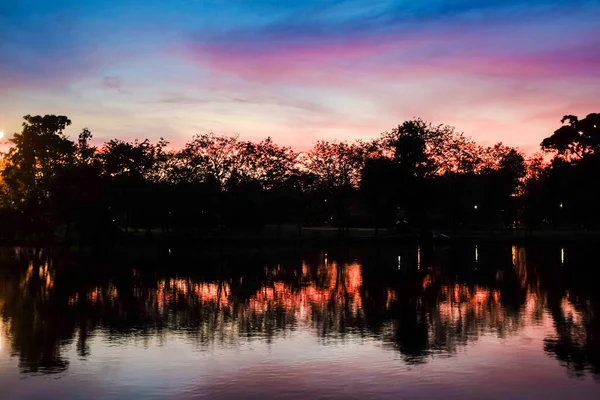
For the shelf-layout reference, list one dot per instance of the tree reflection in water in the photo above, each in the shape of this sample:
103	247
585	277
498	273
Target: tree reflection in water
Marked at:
439	301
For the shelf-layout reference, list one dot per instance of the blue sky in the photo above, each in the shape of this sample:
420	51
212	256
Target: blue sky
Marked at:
299	71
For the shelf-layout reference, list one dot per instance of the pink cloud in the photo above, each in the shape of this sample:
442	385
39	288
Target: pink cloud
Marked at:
472	79
293	64
335	64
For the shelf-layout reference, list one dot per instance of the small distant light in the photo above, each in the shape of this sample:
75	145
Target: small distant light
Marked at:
114	220
561	205
475	207
399	262
169	251
476	254
562	255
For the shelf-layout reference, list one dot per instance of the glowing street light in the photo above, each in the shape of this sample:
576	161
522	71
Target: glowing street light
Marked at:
475	207
561	205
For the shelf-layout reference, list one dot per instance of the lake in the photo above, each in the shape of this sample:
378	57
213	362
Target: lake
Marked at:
338	322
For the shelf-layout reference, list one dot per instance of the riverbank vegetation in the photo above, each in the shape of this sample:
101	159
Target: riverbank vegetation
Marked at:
418	176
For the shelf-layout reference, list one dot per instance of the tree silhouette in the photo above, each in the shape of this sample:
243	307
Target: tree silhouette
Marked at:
380	190
37	154
429	175
211	155
576	138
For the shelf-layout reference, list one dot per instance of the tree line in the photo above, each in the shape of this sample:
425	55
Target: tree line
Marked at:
416	176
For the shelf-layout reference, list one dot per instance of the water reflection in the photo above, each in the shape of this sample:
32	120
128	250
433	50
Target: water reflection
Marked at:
438	302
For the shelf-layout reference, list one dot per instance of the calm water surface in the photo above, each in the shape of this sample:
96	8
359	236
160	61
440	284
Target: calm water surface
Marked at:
493	322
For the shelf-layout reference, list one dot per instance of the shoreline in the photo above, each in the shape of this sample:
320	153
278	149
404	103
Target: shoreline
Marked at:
311	235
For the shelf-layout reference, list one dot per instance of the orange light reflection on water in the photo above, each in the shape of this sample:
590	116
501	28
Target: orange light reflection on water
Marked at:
325	297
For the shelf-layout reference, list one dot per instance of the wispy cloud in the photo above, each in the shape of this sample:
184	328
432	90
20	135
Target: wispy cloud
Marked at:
112	82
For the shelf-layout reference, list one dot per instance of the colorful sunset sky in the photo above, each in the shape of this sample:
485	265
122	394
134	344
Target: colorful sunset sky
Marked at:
300	70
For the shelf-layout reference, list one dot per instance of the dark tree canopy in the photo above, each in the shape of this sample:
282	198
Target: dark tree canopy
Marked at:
577	138
422	175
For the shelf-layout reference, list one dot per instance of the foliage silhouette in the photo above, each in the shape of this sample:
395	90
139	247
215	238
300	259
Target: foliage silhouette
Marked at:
422	175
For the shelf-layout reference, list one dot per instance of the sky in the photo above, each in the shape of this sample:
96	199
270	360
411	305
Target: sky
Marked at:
300	70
